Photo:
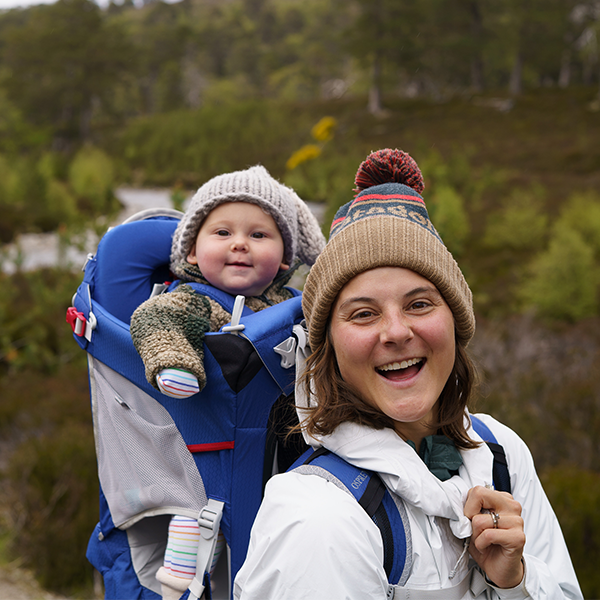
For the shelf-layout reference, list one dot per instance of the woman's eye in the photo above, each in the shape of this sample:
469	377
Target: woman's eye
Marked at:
363	314
223	232
420	305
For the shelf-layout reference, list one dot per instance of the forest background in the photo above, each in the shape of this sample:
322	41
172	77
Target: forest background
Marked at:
499	104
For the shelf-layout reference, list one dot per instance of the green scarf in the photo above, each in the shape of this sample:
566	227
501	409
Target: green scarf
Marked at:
440	455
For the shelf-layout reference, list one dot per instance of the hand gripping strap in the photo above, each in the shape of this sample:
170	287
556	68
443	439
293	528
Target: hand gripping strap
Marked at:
209	521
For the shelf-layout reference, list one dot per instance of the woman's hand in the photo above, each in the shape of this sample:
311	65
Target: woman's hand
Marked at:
498	537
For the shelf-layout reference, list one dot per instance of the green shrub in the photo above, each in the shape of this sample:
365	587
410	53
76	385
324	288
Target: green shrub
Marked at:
329	179
520	224
581	213
10	192
448	214
456	171
91	176
33	331
55	504
575	496
562	282
62	205
193	146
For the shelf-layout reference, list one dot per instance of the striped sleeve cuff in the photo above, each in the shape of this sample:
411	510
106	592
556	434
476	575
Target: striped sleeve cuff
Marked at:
177	383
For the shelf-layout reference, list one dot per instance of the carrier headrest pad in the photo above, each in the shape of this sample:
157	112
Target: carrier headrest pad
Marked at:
131	258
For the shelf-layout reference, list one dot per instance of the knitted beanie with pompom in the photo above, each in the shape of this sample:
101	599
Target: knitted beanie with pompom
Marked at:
386	225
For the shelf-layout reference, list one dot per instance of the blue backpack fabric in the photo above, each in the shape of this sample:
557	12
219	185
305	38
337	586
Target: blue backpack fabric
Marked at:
159	456
390	517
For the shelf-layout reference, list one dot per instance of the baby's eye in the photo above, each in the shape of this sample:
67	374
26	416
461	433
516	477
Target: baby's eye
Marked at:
258	235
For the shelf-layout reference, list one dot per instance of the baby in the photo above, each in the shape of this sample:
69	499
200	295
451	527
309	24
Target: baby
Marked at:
245	234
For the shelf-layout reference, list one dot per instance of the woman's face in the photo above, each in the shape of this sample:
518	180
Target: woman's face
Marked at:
393	336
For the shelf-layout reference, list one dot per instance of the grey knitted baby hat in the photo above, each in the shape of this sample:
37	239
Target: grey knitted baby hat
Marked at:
302	236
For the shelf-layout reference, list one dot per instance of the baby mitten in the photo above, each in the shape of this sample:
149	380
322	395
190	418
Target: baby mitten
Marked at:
177	383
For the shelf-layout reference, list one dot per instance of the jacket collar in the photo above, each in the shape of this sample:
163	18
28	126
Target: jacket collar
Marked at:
405	474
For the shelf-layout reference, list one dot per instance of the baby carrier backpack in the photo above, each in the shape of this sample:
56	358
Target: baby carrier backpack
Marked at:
390	517
207	456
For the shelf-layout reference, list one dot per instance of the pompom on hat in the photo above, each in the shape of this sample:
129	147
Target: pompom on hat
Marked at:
302	236
386	225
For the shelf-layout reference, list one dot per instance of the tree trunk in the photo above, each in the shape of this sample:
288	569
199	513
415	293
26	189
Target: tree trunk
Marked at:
375	107
516	77
477	76
477	81
564	77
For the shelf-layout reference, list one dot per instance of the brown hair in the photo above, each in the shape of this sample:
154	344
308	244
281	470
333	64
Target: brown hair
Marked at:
338	402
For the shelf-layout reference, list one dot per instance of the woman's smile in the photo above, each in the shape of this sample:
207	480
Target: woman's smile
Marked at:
402	370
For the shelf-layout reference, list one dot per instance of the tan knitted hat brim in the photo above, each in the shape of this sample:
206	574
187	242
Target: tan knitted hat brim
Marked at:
384	241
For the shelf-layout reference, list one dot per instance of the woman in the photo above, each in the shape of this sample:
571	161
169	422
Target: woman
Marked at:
389	317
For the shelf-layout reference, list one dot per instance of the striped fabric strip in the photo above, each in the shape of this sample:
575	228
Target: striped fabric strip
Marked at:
177	383
408	197
182	548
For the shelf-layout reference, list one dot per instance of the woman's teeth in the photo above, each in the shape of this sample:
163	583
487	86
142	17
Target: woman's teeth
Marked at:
401	365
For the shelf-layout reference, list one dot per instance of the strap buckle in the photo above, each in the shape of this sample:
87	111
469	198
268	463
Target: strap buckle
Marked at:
76	320
287	348
81	326
209	519
235	326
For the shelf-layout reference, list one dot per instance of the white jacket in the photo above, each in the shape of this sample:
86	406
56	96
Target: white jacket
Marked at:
313	541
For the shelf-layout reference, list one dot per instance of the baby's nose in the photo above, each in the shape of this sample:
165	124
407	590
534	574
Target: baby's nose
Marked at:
239	242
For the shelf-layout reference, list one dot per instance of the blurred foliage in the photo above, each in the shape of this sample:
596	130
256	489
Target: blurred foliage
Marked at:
497	102
562	282
520	224
49	481
33	333
41	194
575	495
91	175
447	211
544	382
54	499
191	147
72	68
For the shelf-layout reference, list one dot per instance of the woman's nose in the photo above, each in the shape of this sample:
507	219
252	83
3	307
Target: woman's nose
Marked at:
396	329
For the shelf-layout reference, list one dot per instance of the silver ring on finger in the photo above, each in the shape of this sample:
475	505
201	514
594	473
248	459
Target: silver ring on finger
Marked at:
495	518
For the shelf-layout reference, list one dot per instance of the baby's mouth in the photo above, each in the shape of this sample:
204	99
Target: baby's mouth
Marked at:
401	370
238	264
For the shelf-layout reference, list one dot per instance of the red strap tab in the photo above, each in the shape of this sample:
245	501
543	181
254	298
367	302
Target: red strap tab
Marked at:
215	446
76	320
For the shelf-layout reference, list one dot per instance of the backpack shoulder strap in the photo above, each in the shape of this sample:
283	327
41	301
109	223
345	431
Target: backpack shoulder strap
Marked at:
370	492
500	466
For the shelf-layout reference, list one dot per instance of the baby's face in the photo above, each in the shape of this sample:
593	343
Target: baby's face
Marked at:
239	249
